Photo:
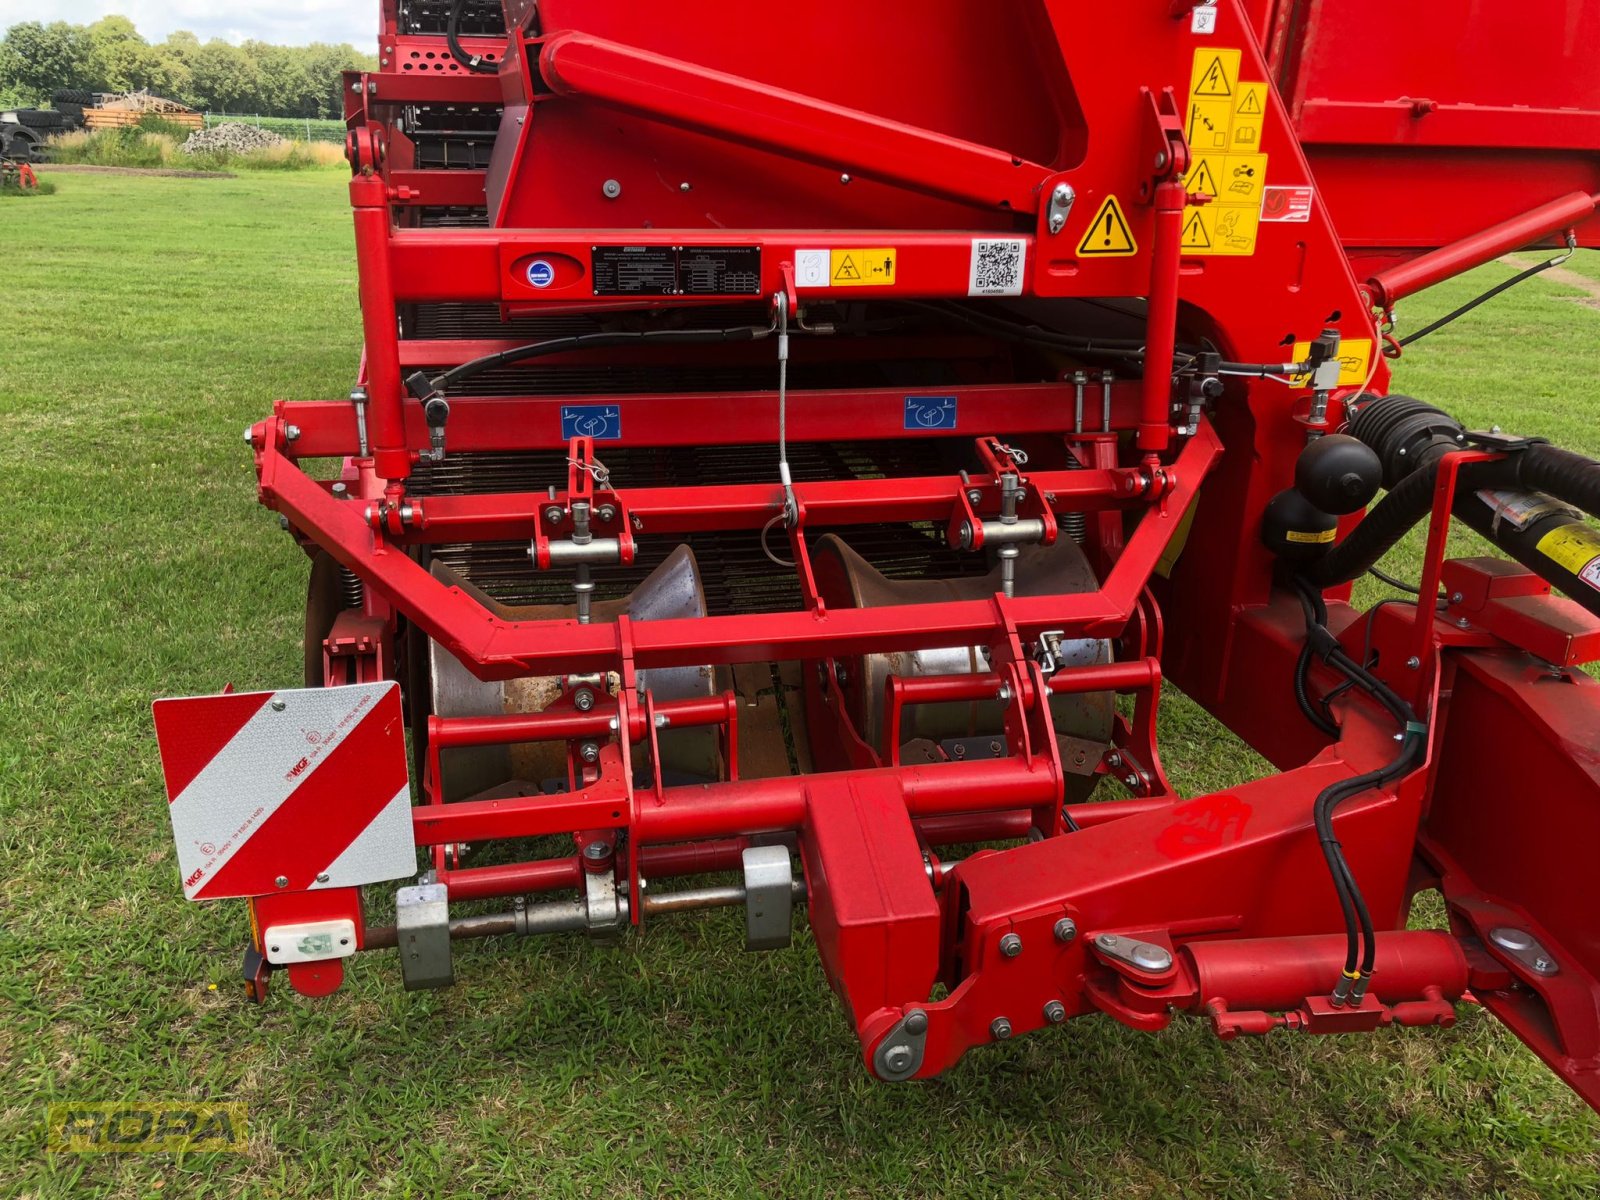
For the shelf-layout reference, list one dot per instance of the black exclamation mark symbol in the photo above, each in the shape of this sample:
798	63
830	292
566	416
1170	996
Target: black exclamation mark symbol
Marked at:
1108	228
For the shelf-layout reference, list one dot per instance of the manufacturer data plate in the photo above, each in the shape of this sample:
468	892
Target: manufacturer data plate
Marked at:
677	270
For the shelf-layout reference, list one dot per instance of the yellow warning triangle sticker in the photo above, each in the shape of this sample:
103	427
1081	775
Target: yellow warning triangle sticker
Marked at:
847	269
1251	104
1195	236
1214	80
1108	235
1201	180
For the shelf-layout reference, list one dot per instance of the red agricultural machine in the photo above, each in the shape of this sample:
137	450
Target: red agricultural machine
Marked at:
794	445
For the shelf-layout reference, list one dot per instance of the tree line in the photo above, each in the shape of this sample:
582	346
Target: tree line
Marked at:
37	59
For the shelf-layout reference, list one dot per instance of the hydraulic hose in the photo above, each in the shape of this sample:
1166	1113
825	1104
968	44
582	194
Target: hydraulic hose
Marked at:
1549	489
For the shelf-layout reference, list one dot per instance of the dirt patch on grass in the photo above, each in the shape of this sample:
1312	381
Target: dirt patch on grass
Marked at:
1589	287
87	169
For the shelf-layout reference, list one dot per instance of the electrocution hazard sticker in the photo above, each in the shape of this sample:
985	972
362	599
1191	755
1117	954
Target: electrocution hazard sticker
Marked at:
996	267
1576	547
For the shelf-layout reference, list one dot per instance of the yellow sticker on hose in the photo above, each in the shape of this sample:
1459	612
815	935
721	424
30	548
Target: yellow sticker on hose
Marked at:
1575	547
1311	537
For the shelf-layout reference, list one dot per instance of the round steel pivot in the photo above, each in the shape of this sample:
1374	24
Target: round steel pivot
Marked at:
1066	929
1055	1012
1011	945
1000	1029
916	1021
1151	958
1509	938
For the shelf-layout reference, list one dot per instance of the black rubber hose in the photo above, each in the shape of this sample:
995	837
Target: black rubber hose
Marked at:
1565	475
422	385
1408	502
453	39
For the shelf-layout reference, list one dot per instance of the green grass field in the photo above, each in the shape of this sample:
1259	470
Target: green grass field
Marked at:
151	320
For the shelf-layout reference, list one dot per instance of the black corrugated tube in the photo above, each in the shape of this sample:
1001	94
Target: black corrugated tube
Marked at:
1410	438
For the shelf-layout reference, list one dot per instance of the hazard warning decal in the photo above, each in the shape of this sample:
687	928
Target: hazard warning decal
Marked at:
1224	129
287	791
1108	235
862	268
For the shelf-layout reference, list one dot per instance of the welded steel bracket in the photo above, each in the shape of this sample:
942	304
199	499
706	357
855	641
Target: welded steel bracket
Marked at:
422	927
769	897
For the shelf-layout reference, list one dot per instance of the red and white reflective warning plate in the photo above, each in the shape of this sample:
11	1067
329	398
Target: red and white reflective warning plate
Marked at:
310	786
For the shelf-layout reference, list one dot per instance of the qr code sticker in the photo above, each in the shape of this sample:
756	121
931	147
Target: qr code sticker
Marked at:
996	267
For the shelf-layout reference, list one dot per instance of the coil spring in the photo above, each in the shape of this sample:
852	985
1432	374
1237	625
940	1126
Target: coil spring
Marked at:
1076	524
350	588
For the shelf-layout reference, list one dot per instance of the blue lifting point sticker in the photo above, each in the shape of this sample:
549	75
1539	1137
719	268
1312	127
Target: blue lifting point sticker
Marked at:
602	422
540	273
930	412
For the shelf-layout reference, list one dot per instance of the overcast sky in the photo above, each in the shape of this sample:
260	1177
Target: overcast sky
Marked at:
292	22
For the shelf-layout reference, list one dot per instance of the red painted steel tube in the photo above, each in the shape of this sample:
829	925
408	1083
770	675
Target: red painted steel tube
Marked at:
1279	973
792	123
497	649
554	874
1161	317
450	733
510	879
1386	287
1130	676
386	430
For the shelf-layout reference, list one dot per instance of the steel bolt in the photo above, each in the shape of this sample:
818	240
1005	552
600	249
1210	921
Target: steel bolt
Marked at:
583	700
340	490
973	497
1413	663
279	705
897	1058
595	851
611	189
606	512
554	514
1463	623
1456	597
322	877
272	949
282	881
1000	1029
1011	945
844	179
1161	160
589	752
916	1021
1066	929
291	433
1106	941
1114	759
248	440
1055	1012
283	523
684	186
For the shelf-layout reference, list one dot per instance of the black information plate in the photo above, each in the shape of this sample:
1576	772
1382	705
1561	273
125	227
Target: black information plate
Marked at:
635	270
677	270
719	270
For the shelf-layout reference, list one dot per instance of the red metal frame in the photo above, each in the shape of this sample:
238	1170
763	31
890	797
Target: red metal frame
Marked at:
779	152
